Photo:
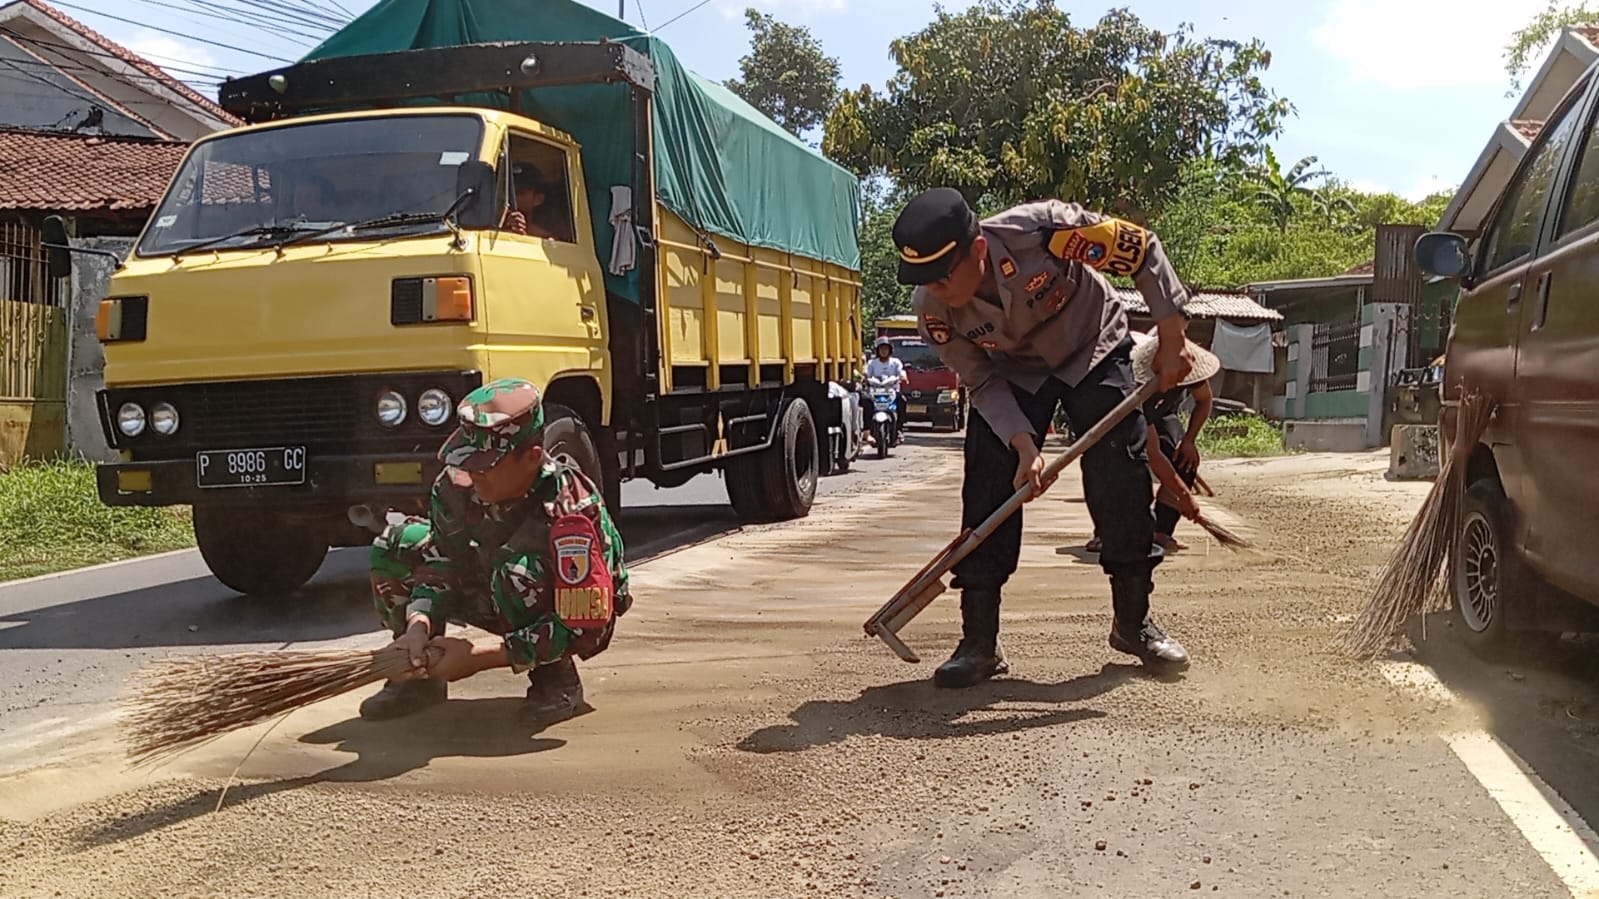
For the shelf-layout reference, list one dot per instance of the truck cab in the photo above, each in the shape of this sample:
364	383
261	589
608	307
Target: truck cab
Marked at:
1526	336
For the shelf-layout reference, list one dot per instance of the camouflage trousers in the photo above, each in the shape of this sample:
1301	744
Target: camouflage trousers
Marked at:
512	599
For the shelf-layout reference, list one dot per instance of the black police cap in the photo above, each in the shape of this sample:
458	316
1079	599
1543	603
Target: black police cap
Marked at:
931	233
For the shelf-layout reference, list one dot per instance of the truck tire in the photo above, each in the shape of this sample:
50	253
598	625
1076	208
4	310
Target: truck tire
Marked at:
258	553
566	434
779	482
744	487
1485	576
790	466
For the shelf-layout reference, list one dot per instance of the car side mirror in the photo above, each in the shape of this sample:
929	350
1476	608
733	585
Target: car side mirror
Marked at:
478	212
1443	254
57	246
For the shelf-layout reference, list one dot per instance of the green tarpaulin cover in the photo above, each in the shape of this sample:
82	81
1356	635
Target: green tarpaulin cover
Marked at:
719	163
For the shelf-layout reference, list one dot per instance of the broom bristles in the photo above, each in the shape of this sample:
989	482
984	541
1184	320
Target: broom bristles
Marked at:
182	702
1411	582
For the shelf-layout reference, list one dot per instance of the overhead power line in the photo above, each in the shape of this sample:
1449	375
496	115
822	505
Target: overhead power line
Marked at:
179	34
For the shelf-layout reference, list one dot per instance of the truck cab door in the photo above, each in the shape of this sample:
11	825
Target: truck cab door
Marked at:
546	307
1556	389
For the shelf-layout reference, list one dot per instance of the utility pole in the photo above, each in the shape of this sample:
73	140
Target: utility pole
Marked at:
620	13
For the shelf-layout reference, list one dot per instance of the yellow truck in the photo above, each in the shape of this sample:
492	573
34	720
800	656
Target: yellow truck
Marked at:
288	339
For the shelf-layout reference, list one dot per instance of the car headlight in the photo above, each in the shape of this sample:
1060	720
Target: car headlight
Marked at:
164	419
946	396
391	409
131	419
433	407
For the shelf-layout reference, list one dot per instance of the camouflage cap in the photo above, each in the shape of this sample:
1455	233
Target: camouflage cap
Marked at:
494	419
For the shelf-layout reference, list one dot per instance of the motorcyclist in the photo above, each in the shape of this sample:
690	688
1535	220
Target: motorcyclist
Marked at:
886	370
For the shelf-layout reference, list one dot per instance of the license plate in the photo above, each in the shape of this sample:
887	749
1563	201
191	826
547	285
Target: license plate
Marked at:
272	466
916	410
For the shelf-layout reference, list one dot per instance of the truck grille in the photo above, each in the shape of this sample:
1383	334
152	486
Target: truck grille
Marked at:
334	414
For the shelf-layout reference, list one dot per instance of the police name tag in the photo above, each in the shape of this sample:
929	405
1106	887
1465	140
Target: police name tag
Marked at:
584	593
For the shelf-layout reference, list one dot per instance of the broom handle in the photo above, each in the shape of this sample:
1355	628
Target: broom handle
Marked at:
1081	445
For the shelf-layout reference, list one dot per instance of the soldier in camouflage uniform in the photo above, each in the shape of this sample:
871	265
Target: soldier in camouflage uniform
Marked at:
516	543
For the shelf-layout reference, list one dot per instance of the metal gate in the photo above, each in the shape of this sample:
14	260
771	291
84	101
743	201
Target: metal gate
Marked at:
33	348
1335	357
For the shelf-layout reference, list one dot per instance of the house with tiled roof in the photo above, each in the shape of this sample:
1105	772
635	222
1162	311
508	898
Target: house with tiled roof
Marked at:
1573	52
89	131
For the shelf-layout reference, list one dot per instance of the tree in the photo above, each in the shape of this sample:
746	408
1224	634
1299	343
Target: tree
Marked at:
1008	101
1539	31
786	75
1276	191
881	292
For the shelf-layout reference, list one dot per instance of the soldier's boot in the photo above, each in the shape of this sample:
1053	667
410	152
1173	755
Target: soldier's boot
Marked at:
1135	630
399	698
979	656
555	694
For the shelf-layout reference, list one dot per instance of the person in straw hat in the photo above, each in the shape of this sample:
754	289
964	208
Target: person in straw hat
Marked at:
517	543
1020	306
1175	458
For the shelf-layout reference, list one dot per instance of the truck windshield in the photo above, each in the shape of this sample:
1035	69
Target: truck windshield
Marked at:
268	185
918	356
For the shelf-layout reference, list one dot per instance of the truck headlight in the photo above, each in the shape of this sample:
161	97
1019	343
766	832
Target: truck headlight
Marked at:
131	419
391	409
433	407
946	396
164	419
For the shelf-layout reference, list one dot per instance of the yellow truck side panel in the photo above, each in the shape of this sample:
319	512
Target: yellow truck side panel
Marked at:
751	307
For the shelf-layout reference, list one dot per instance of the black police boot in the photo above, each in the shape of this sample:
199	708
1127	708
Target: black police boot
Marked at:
978	657
1135	631
399	698
556	694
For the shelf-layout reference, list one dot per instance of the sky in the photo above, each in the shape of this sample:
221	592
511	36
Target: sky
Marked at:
1390	95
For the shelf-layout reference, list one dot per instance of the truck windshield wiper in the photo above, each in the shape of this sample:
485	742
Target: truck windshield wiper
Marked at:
252	231
387	221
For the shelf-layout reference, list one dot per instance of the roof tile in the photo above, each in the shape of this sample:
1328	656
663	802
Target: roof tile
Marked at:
58	171
133	59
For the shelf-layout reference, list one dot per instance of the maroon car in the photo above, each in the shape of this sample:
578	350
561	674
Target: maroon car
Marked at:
1526	333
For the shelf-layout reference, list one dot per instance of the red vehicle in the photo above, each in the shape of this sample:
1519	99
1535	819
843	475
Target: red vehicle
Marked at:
934	394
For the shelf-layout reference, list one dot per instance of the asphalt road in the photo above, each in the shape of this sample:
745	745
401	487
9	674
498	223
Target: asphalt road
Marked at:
67	641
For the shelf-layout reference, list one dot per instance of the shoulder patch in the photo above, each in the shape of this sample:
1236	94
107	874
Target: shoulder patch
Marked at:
1037	282
1007	267
1112	246
936	329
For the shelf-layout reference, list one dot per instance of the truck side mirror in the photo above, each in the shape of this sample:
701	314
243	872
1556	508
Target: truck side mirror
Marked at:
58	248
1443	254
478	212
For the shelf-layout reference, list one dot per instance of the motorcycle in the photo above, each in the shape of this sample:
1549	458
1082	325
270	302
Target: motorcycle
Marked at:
885	418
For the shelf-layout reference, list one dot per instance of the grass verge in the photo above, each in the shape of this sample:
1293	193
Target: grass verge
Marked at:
1236	436
52	520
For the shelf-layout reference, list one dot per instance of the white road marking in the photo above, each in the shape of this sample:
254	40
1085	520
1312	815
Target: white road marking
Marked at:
1552	827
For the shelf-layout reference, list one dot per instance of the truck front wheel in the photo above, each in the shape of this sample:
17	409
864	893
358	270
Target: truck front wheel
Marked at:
256	552
566	434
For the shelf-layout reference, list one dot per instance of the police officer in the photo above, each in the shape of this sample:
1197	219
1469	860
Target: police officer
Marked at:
1019	305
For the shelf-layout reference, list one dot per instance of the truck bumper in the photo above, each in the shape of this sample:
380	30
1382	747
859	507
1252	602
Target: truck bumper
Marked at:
934	413
397	480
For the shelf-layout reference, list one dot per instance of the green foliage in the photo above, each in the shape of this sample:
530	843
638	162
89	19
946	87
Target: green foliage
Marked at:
881	292
1007	100
53	520
1539	31
786	75
1279	193
1220	233
1235	436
